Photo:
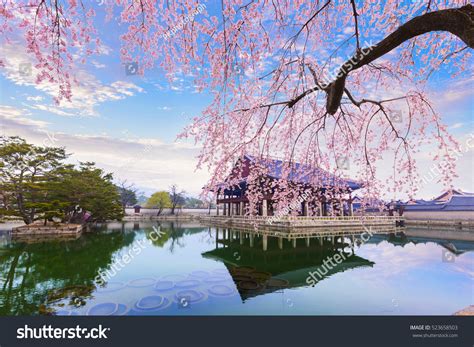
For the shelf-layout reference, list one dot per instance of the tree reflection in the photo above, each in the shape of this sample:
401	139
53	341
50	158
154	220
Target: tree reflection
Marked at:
30	272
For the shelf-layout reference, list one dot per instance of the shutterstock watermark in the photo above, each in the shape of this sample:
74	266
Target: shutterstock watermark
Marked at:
189	17
342	162
334	260
347	66
48	332
25	69
295	204
137	247
436	169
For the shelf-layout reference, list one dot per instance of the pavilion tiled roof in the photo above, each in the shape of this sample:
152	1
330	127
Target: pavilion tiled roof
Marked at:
302	173
456	203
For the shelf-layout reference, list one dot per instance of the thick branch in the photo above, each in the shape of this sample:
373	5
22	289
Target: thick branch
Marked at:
458	21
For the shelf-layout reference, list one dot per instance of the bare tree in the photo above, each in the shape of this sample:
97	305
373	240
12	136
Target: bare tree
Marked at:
128	194
176	196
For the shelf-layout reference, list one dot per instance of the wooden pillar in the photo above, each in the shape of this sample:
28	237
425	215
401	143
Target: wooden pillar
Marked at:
264	207
320	241
251	240
320	208
305	208
241	235
242	208
307	242
294	243
265	242
280	242
225	209
351	208
217	209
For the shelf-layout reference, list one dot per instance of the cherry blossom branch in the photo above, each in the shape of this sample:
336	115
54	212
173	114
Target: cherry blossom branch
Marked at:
458	21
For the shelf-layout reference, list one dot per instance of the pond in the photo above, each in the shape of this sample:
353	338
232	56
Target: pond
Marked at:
184	268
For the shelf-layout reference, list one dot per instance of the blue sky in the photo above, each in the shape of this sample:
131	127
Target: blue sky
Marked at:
128	124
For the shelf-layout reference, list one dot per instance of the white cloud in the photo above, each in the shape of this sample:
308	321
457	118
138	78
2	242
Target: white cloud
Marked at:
457	125
104	49
35	98
348	30
87	94
458	90
97	65
126	88
52	109
148	163
164	108
9	115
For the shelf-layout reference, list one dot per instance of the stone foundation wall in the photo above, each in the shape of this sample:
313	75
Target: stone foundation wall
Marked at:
35	229
138	217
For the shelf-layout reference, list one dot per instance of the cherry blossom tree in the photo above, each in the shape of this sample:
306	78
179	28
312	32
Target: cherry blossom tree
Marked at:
309	81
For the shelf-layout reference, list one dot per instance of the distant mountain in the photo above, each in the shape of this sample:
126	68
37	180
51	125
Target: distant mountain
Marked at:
142	199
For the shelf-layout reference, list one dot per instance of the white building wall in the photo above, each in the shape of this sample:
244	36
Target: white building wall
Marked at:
444	215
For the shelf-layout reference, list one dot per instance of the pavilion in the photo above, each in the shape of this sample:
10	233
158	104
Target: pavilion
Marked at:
329	195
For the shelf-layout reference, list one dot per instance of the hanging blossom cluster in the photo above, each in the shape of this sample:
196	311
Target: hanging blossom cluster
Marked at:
303	80
55	33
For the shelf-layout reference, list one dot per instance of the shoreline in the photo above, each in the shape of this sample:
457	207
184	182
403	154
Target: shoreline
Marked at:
13	228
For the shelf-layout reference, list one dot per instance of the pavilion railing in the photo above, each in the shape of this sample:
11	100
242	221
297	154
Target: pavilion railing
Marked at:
309	221
311	218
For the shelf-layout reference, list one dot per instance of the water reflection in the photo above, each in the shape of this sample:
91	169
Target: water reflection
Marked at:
195	269
31	272
283	263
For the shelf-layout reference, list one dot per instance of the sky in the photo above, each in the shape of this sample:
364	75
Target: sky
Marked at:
128	124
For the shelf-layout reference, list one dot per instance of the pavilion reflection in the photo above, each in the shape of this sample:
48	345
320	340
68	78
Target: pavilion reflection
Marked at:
283	262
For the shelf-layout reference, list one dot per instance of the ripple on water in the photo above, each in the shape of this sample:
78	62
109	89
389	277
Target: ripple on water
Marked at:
108	309
162	286
111	287
221	290
141	282
152	303
193	296
66	313
244	270
199	274
249	285
216	279
276	282
173	277
187	284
